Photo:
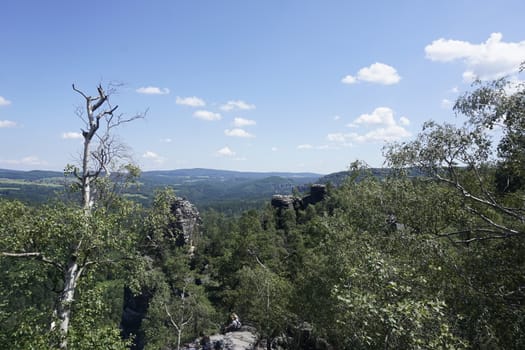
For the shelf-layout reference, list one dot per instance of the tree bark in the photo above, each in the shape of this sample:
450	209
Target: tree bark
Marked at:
65	301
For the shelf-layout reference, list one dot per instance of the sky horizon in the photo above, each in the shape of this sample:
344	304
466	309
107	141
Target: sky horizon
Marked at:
275	85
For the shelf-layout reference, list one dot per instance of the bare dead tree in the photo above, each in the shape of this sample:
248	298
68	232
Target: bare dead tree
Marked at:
100	118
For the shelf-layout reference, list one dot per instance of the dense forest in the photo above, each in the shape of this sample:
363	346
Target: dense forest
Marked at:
433	261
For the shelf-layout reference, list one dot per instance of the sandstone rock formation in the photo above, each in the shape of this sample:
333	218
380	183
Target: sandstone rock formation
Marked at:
186	226
317	194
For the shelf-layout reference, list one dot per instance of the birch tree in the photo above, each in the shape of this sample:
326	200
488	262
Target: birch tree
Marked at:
72	239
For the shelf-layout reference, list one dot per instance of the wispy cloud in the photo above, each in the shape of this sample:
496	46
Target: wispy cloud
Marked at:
7	124
166	140
241	122
333	145
305	146
207	115
378	73
192	101
225	152
446	103
237	132
27	161
491	59
153	156
237	105
4	101
71	135
337	137
153	90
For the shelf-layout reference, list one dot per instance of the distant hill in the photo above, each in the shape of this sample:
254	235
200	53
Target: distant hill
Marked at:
338	178
224	190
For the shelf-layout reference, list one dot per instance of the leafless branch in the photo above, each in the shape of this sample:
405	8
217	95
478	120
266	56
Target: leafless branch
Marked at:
81	93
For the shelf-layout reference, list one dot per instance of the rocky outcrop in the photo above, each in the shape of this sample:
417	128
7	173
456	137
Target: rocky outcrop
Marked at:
281	201
244	339
185	226
187	219
317	194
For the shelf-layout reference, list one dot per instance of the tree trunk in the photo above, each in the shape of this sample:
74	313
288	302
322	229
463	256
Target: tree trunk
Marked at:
86	186
65	301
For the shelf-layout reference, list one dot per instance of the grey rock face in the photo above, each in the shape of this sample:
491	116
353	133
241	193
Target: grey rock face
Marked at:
244	339
317	194
283	201
187	218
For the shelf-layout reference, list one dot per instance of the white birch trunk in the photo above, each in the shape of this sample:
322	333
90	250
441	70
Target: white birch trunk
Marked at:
65	301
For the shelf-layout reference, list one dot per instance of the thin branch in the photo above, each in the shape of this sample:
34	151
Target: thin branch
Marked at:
469	195
80	92
251	252
103	98
492	223
171	318
39	256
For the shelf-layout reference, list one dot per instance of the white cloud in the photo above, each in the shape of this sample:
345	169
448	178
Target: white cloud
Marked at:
274	149
71	135
7	124
446	103
336	137
166	140
491	59
379	73
349	79
337	140
383	124
4	101
225	152
380	115
337	117
30	160
305	146
153	156
454	90
237	132
237	105
240	122
388	134
153	90
207	115
192	101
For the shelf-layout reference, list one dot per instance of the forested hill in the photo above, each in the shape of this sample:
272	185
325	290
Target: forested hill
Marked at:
220	189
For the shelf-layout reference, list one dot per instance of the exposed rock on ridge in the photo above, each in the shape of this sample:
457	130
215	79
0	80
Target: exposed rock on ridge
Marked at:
317	194
187	219
185	227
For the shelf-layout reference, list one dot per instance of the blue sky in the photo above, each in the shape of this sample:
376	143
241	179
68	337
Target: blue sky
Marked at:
271	85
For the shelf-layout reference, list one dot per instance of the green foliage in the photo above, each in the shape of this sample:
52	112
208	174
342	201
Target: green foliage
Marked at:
264	298
94	325
178	308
